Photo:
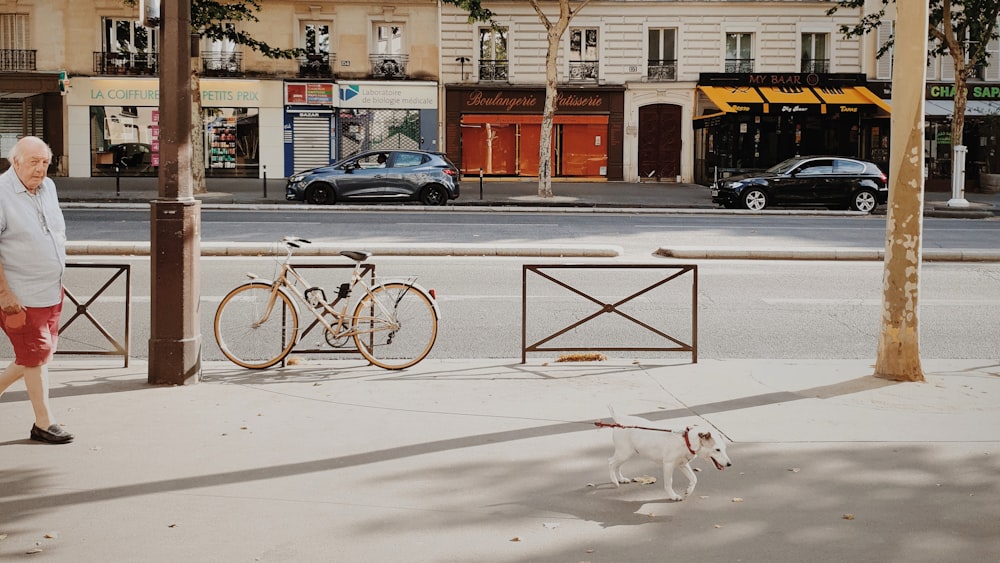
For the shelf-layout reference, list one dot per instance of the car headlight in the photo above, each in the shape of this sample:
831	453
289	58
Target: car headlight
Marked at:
296	178
734	185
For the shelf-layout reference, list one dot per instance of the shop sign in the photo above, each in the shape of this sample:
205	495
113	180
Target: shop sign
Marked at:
310	93
146	92
388	96
520	101
989	92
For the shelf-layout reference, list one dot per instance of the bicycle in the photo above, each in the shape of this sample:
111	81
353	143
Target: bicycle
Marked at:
394	322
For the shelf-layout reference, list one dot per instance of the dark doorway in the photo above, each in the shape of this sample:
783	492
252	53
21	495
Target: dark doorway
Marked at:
659	142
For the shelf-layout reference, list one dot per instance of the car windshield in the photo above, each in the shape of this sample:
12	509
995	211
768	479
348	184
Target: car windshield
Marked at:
784	166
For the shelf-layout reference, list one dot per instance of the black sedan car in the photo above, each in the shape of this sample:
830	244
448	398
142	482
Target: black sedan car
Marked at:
829	181
379	176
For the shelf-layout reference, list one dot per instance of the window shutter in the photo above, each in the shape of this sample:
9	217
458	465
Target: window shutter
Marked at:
993	65
883	65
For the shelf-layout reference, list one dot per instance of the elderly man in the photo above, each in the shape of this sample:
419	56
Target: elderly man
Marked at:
32	261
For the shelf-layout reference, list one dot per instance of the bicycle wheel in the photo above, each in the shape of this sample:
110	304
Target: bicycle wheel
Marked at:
245	336
395	326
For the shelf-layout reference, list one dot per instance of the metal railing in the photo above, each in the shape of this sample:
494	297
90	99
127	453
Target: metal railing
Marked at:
17	59
740	66
389	67
222	64
615	308
84	311
661	70
128	63
583	70
816	66
493	70
316	65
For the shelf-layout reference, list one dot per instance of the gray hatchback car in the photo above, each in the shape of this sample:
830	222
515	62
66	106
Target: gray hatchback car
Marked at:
379	176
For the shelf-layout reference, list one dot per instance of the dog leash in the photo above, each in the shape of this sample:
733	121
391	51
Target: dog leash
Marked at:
687	441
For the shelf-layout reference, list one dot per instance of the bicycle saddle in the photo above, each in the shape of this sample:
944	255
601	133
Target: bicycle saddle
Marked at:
356	255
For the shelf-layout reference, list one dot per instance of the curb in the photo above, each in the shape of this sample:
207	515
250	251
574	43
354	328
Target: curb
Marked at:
805	253
101	248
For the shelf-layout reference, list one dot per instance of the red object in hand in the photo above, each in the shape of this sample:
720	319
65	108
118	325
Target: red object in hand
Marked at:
15	320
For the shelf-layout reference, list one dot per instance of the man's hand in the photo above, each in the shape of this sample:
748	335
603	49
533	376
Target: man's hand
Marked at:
9	303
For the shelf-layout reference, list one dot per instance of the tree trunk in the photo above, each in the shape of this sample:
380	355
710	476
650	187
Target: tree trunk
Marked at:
548	113
197	135
899	337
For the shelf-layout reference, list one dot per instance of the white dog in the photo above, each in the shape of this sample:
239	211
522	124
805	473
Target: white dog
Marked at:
673	448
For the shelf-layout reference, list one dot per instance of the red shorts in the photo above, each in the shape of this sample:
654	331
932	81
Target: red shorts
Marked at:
35	341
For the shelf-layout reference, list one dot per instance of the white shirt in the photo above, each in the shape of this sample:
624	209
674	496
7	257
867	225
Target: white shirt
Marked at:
32	241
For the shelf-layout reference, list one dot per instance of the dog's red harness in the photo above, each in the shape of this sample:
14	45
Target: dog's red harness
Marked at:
687	441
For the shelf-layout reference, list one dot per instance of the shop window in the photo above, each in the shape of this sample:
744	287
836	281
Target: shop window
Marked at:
739	53
661	63
493	54
232	141
583	55
815	58
124	140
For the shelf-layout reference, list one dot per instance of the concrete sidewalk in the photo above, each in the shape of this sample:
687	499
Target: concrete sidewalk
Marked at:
492	460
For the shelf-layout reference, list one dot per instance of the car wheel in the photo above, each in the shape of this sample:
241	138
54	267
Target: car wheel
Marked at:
864	201
433	195
754	199
320	194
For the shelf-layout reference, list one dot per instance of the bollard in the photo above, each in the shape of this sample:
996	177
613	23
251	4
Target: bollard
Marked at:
265	181
480	184
118	181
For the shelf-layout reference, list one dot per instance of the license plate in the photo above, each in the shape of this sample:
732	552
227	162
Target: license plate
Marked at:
715	192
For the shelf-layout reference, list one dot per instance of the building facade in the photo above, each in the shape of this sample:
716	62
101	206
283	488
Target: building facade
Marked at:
366	78
647	91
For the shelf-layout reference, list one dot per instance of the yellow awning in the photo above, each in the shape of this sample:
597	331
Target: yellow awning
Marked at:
851	96
725	97
789	95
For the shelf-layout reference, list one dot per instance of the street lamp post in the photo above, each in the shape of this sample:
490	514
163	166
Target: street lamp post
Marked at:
175	216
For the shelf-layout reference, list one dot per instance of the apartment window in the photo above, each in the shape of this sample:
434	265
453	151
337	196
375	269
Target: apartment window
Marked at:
739	53
493	53
14	31
815	57
388	39
128	36
127	48
583	59
219	56
14	43
662	61
388	57
316	38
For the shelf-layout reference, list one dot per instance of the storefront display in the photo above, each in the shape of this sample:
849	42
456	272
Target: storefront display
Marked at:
752	121
498	131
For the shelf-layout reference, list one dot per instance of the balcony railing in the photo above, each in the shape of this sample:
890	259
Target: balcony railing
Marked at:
388	67
493	70
815	66
222	64
739	66
17	59
143	64
317	65
583	70
661	70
